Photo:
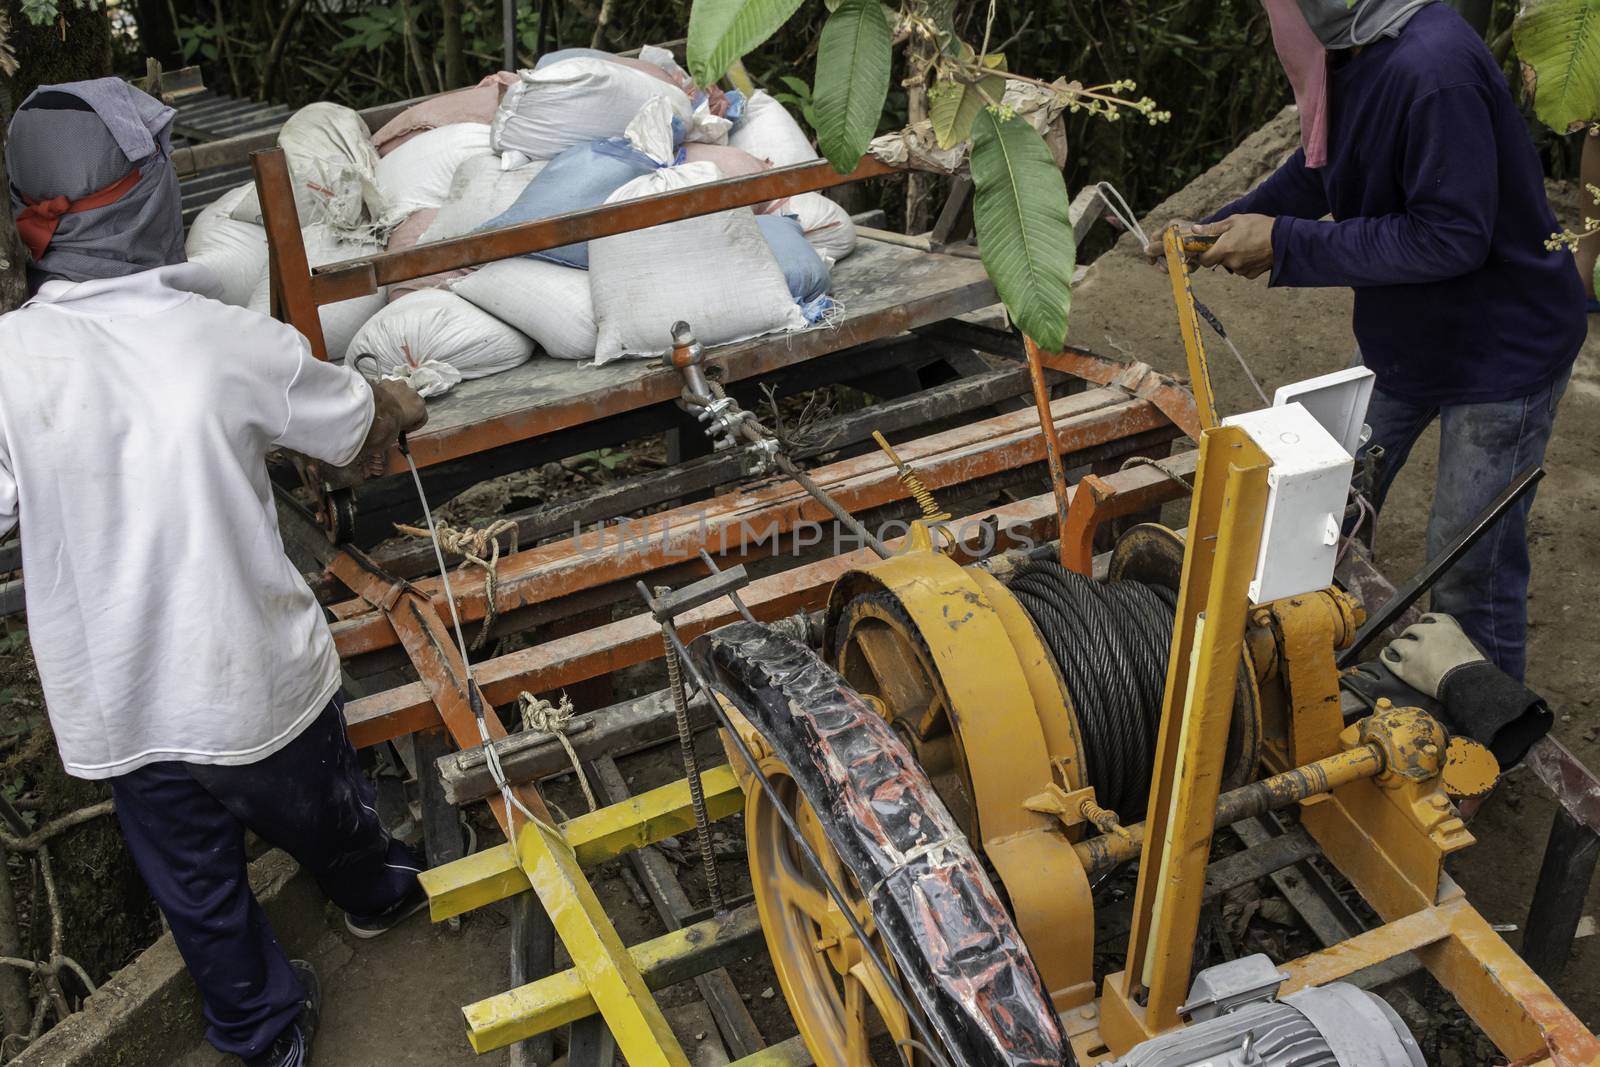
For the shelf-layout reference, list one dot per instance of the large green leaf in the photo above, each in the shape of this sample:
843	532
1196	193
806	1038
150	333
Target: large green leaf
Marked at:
852	82
723	31
953	105
1559	41
1019	208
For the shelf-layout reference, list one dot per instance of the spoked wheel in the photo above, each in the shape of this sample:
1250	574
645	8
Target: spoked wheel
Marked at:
838	999
868	812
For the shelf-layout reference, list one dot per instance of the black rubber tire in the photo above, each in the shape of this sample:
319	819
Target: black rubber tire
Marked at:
951	939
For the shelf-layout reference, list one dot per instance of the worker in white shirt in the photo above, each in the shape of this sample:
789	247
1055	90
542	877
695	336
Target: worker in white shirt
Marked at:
183	658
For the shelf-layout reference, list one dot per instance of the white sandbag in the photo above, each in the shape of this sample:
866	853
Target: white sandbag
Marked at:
480	191
715	272
340	321
418	174
333	166
827	225
573	102
236	251
547	301
767	131
434	325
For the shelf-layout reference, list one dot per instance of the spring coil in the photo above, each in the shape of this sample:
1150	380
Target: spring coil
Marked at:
912	481
1110	641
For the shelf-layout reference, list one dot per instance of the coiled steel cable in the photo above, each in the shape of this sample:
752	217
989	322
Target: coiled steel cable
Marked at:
1111	641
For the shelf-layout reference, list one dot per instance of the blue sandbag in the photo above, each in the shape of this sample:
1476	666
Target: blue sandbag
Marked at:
582	176
808	277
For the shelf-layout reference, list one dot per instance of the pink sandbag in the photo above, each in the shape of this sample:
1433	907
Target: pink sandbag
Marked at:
406	235
476	104
733	163
409	232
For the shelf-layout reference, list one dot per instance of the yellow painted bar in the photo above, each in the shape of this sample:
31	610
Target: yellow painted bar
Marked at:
650	817
602	961
473	881
494	874
562	998
1366	949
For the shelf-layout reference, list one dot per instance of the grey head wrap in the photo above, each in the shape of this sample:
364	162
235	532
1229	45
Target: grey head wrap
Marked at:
80	139
1342	24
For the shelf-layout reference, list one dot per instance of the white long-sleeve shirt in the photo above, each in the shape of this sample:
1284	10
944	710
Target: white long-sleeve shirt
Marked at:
135	416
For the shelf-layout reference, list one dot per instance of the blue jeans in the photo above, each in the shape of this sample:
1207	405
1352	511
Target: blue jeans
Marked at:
1481	448
185	826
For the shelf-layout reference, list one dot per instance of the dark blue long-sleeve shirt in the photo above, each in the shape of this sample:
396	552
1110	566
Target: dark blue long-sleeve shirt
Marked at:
1439	222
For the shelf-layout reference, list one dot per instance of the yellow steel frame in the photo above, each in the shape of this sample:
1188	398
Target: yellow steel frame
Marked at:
1189	325
1225	522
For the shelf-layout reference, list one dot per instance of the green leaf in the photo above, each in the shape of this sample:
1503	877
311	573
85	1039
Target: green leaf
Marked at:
852	83
722	31
1559	41
1019	209
952	106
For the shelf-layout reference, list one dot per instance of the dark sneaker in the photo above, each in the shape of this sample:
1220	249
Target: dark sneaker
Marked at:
293	1047
374	925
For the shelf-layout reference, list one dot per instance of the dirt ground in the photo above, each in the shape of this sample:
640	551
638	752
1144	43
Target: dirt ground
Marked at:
396	1000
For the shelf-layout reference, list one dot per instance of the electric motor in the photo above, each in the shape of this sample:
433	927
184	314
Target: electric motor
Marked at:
1236	1020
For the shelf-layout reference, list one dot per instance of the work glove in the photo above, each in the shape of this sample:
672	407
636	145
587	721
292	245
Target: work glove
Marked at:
1480	700
1427	652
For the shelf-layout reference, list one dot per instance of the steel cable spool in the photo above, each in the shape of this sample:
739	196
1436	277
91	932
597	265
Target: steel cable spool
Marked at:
1110	641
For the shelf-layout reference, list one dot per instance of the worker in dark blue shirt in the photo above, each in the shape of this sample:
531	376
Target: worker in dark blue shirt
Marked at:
1413	146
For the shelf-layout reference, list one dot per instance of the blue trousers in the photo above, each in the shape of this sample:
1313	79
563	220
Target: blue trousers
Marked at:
185	825
1481	448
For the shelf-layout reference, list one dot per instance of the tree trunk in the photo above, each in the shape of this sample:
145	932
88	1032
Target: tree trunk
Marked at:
455	56
73	47
280	41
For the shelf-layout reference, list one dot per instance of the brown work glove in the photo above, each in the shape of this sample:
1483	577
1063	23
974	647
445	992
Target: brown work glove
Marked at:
396	409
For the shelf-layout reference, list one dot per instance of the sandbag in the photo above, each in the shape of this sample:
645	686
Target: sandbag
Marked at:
715	272
340	321
803	270
582	176
476	104
574	102
733	163
437	326
547	301
827	225
480	191
236	251
767	131
410	232
561	55
334	170
418	174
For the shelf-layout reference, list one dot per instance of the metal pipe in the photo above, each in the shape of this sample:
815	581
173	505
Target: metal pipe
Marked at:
1052	443
1407	594
508	30
1100	854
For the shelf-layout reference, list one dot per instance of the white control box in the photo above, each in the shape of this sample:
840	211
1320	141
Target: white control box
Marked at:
1306	493
1338	401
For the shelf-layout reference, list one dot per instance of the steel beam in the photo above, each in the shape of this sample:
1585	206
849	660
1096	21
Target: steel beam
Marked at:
562	998
497	873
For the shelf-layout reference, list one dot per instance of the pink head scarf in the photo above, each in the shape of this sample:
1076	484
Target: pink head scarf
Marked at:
1305	60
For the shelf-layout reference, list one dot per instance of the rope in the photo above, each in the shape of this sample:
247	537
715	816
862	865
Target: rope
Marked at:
1111	641
1120	210
473	544
1146	461
542	716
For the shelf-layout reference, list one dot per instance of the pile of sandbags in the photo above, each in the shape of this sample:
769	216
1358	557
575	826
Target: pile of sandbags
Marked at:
581	129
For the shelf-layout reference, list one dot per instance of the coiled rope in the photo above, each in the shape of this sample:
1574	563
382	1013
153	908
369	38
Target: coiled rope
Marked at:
1111	641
